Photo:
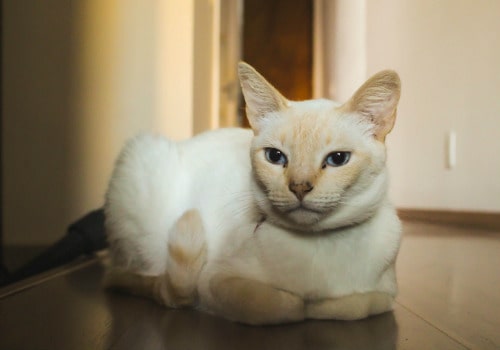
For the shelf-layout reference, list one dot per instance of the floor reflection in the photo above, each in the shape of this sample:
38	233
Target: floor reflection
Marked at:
152	327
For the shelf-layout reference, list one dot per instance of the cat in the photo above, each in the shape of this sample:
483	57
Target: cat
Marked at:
284	222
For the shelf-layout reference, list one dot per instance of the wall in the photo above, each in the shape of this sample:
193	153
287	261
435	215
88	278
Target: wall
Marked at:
344	55
81	77
447	54
114	91
206	81
38	111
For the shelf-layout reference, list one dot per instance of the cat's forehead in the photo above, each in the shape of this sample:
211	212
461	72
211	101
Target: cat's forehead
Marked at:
311	113
318	122
317	105
311	126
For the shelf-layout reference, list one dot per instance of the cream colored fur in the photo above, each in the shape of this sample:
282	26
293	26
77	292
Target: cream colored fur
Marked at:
212	223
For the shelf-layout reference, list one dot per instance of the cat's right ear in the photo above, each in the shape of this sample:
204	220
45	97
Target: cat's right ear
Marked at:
261	97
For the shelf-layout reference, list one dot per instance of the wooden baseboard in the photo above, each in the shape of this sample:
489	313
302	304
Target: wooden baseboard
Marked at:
480	220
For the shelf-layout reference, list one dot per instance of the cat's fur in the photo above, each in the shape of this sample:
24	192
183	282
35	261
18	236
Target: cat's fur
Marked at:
211	223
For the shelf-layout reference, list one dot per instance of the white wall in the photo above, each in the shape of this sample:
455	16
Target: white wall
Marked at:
447	53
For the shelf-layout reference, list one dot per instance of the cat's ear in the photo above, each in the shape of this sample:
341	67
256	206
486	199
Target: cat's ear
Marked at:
260	96
376	101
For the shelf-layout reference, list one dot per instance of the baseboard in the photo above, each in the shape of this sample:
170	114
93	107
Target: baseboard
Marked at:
480	220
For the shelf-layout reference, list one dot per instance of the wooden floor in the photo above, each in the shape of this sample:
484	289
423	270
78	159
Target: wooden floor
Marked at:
449	299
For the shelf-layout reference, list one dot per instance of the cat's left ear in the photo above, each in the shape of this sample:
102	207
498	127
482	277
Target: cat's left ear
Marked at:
260	96
376	101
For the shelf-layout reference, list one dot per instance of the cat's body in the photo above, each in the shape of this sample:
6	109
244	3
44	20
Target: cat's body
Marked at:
155	183
289	222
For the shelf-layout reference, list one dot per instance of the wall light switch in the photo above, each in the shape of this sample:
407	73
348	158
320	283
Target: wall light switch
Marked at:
451	151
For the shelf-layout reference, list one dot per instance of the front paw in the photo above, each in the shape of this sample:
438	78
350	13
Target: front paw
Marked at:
350	307
253	302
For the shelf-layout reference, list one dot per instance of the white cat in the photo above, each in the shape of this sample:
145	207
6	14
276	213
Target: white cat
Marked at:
288	222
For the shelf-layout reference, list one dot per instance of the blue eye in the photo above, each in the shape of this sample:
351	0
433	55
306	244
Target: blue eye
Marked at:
275	156
336	159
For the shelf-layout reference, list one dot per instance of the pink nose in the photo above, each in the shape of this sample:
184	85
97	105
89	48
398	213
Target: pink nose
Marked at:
300	190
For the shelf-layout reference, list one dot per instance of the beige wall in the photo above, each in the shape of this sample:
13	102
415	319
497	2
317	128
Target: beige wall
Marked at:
80	77
343	25
447	53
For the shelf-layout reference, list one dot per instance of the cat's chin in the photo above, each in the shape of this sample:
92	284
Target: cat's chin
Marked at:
304	217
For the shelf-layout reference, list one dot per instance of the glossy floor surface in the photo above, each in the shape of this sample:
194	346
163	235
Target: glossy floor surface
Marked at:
449	299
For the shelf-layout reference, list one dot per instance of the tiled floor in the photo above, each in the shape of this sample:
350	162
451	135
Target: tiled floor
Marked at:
449	299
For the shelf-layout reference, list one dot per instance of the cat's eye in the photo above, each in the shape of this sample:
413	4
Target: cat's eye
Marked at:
275	156
336	159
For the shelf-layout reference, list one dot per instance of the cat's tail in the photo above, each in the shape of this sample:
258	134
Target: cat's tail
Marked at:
186	255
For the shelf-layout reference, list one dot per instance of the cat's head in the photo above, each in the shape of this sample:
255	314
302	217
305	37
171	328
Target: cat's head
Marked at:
319	164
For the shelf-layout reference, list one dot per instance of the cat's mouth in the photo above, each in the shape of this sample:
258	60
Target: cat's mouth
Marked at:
301	207
301	214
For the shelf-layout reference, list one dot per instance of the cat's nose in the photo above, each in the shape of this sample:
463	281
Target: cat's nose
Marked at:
300	189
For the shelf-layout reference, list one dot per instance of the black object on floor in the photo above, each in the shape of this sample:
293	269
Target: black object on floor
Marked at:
84	237
4	275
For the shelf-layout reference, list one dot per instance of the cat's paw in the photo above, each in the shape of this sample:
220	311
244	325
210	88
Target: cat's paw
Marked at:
253	302
125	281
350	307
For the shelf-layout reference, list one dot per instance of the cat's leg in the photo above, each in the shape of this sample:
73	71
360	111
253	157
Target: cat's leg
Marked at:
351	307
186	256
252	302
187	253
